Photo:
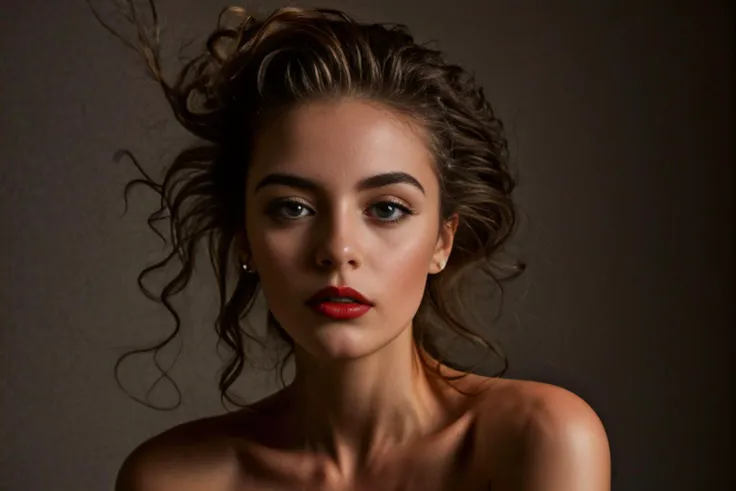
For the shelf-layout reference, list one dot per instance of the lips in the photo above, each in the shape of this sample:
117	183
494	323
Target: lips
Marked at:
338	292
339	303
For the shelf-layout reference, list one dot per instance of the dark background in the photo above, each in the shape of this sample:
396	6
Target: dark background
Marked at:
620	116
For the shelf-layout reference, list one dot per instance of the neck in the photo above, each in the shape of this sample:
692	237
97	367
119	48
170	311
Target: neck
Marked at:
353	410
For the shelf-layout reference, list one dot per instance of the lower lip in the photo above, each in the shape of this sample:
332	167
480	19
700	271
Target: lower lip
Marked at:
340	310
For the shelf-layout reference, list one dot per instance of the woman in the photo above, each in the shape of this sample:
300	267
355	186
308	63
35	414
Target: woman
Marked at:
357	178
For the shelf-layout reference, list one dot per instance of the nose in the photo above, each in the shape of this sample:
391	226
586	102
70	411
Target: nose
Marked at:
338	241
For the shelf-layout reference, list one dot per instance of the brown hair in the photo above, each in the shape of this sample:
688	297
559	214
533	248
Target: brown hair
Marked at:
251	68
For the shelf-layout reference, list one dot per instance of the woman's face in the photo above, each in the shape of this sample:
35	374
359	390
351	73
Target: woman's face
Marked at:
344	193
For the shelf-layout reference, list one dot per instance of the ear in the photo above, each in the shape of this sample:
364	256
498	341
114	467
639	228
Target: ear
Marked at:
242	246
443	248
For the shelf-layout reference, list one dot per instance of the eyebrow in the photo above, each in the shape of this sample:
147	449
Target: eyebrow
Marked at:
372	182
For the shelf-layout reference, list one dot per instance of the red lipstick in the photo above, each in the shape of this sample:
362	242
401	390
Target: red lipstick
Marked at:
339	302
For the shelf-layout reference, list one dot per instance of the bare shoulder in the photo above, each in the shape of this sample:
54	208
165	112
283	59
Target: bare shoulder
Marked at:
189	457
200	455
534	403
558	439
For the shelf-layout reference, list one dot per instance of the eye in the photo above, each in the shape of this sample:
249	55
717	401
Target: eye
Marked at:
288	209
390	211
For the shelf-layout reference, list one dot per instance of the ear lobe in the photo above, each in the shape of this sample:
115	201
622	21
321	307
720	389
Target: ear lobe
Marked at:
243	249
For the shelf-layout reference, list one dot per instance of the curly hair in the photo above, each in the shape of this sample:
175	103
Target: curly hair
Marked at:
250	70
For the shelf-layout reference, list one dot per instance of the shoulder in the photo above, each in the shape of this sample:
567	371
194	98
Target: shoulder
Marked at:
556	416
201	455
188	457
559	441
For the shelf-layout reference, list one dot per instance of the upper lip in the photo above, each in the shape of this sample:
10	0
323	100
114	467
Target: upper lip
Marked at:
338	291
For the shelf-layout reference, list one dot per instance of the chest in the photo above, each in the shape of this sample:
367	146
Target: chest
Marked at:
445	462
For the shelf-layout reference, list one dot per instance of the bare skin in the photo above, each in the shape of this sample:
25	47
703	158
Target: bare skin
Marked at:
517	436
362	413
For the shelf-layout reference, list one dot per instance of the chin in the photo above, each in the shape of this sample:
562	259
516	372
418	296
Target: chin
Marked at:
334	340
342	342
339	342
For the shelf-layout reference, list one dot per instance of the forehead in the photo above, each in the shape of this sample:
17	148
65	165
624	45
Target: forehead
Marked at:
344	140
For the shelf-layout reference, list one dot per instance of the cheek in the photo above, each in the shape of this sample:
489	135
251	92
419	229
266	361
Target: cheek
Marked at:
403	271
272	248
278	257
279	248
406	266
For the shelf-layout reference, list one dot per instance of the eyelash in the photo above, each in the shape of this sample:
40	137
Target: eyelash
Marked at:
274	208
